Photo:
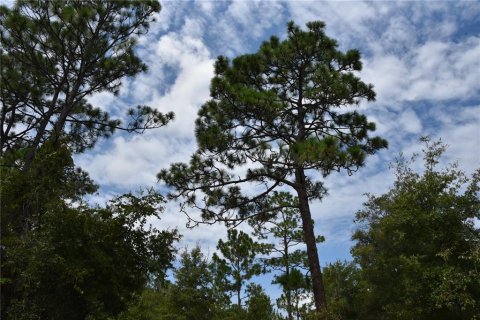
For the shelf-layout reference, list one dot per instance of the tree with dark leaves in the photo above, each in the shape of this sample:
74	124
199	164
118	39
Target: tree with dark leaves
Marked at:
418	244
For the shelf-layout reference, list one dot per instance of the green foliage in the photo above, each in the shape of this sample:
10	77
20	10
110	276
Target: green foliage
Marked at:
346	291
60	258
279	108
191	296
81	263
259	305
180	302
283	226
194	294
52	181
73	261
418	244
296	293
238	264
57	53
151	305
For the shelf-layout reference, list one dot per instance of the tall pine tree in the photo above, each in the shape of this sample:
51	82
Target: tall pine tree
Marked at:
275	119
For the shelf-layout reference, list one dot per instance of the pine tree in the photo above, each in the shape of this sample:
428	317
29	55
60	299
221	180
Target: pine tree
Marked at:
275	119
237	263
283	229
54	55
191	295
259	305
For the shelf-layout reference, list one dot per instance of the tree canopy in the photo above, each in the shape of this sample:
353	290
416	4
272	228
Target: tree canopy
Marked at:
238	262
75	261
55	54
421	236
283	231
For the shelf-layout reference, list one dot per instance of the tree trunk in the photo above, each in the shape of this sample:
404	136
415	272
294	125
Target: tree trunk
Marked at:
288	291
289	303
239	299
40	133
312	254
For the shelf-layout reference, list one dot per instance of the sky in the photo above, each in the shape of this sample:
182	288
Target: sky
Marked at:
423	59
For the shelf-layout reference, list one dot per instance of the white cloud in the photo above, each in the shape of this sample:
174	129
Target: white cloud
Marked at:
205	235
254	17
462	135
410	52
410	122
126	163
191	86
387	73
399	34
133	161
207	7
338	15
432	71
104	100
442	70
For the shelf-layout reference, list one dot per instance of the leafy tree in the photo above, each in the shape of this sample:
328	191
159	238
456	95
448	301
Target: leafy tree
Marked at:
52	181
194	294
54	55
418	245
191	296
60	258
74	261
284	227
81	263
221	288
259	305
346	291
152	304
275	120
238	264
296	290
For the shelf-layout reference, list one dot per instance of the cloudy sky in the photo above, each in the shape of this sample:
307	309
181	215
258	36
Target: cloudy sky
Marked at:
422	57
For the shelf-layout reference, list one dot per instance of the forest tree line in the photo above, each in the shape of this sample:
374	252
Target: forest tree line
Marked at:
283	113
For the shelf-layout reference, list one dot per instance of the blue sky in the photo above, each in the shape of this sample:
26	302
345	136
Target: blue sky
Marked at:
422	57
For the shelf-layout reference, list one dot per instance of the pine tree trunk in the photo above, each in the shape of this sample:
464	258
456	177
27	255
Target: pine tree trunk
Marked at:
289	304
312	253
40	132
239	300
288	290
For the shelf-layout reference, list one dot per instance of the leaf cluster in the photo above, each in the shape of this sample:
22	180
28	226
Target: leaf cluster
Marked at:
421	235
